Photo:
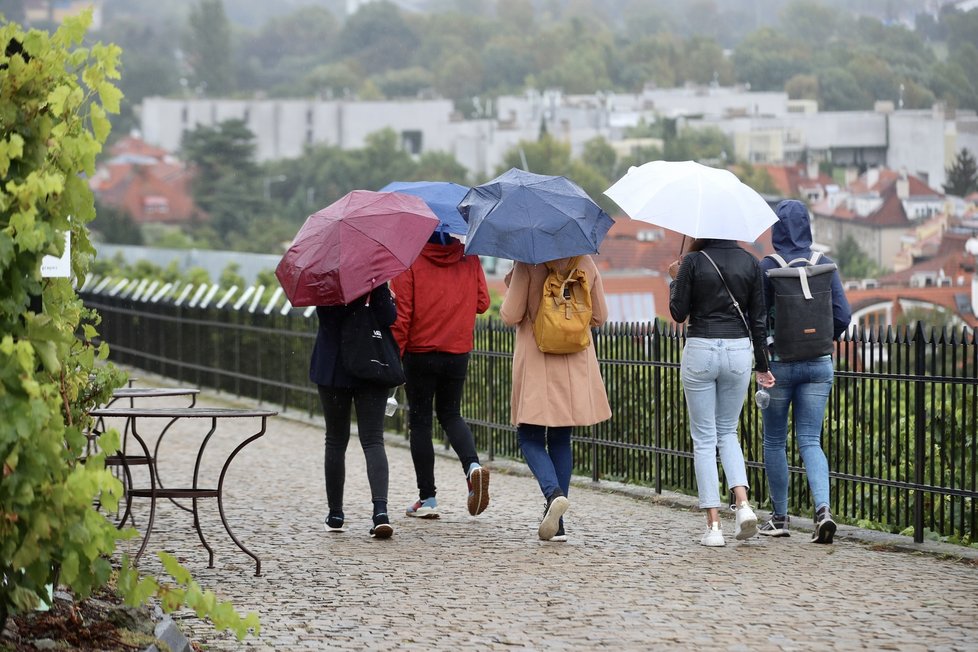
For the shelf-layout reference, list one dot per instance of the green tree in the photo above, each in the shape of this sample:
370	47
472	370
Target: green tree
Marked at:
546	155
440	166
405	83
852	260
962	175
758	178
285	48
377	38
704	62
810	22
840	91
208	48
802	87
708	144
767	58
226	184
600	156
337	79
116	225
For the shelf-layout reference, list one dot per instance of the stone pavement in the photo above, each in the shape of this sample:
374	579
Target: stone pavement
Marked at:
631	576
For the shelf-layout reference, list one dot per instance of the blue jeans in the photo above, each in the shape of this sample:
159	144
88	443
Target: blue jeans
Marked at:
715	375
548	454
804	386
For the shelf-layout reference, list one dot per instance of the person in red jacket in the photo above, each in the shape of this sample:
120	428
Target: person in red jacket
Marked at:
438	298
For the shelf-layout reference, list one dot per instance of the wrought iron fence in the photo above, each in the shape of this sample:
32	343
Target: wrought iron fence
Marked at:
900	429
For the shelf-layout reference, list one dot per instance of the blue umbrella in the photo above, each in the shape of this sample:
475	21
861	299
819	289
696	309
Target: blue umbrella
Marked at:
532	218
442	198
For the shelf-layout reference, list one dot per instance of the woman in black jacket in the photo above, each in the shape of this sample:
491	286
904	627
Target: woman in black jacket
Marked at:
338	392
718	286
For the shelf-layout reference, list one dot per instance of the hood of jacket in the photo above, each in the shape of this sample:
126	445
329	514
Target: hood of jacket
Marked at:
443	255
791	235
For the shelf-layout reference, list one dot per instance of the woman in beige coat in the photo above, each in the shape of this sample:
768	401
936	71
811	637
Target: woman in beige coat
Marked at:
552	392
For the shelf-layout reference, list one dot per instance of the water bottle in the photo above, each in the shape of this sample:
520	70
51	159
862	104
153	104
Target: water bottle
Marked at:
762	399
391	406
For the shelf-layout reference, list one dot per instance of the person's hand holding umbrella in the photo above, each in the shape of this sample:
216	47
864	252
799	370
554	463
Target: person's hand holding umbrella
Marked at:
674	268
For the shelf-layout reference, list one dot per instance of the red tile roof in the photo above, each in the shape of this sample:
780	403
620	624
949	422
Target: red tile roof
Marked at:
891	212
146	182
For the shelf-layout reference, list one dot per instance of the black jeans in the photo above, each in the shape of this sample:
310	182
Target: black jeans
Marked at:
436	377
370	403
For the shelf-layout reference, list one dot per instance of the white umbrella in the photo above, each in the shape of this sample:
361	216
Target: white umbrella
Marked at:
693	199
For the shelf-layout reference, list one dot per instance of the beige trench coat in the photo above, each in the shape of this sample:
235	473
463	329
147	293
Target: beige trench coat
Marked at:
551	389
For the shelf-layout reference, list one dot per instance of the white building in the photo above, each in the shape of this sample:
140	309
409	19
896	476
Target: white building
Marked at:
764	127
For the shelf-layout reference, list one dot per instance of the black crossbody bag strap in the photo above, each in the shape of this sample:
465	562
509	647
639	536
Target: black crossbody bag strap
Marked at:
736	305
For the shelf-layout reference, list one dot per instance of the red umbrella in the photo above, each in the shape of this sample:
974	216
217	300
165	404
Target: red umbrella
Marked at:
353	245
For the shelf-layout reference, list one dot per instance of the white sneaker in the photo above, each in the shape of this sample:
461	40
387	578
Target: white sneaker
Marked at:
713	536
746	522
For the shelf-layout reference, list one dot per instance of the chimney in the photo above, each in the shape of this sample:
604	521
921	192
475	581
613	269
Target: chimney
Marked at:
812	169
903	186
872	177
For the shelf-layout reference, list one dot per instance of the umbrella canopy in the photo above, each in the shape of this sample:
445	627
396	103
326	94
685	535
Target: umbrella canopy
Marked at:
532	218
693	199
442	198
353	245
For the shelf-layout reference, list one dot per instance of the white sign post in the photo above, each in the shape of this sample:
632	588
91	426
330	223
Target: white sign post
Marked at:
54	267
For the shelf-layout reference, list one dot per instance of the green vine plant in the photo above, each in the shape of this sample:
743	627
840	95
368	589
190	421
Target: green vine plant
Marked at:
55	95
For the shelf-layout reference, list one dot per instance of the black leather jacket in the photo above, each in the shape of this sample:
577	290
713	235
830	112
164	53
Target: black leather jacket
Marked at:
698	294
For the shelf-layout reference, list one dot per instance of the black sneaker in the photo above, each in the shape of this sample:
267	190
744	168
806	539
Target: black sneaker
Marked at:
557	504
824	526
334	522
776	527
561	536
382	528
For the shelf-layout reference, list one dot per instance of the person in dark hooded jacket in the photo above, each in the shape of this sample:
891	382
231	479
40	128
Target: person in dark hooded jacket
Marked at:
803	385
340	392
438	298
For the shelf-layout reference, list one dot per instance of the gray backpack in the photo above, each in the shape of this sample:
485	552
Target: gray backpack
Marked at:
801	318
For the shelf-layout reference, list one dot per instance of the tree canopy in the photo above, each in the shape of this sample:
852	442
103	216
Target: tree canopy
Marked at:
962	175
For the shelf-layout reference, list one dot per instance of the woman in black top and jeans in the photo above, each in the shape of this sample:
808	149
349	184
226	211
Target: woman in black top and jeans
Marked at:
339	392
716	366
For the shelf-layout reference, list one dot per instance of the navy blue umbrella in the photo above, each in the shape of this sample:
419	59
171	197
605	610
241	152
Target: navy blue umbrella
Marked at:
442	198
532	218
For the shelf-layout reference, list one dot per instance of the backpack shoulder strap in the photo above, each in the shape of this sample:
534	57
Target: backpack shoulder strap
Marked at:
816	256
778	259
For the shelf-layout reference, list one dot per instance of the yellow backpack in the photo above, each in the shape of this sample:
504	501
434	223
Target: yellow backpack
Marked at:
563	322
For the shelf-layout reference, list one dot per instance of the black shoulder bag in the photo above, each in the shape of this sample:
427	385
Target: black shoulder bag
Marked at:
368	350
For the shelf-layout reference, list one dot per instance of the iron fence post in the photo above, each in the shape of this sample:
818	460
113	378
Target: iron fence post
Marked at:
657	399
920	424
491	416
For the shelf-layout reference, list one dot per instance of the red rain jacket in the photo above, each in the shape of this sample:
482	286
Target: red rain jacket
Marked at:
437	300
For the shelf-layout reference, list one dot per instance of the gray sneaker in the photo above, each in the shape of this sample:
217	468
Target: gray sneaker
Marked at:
776	527
824	526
